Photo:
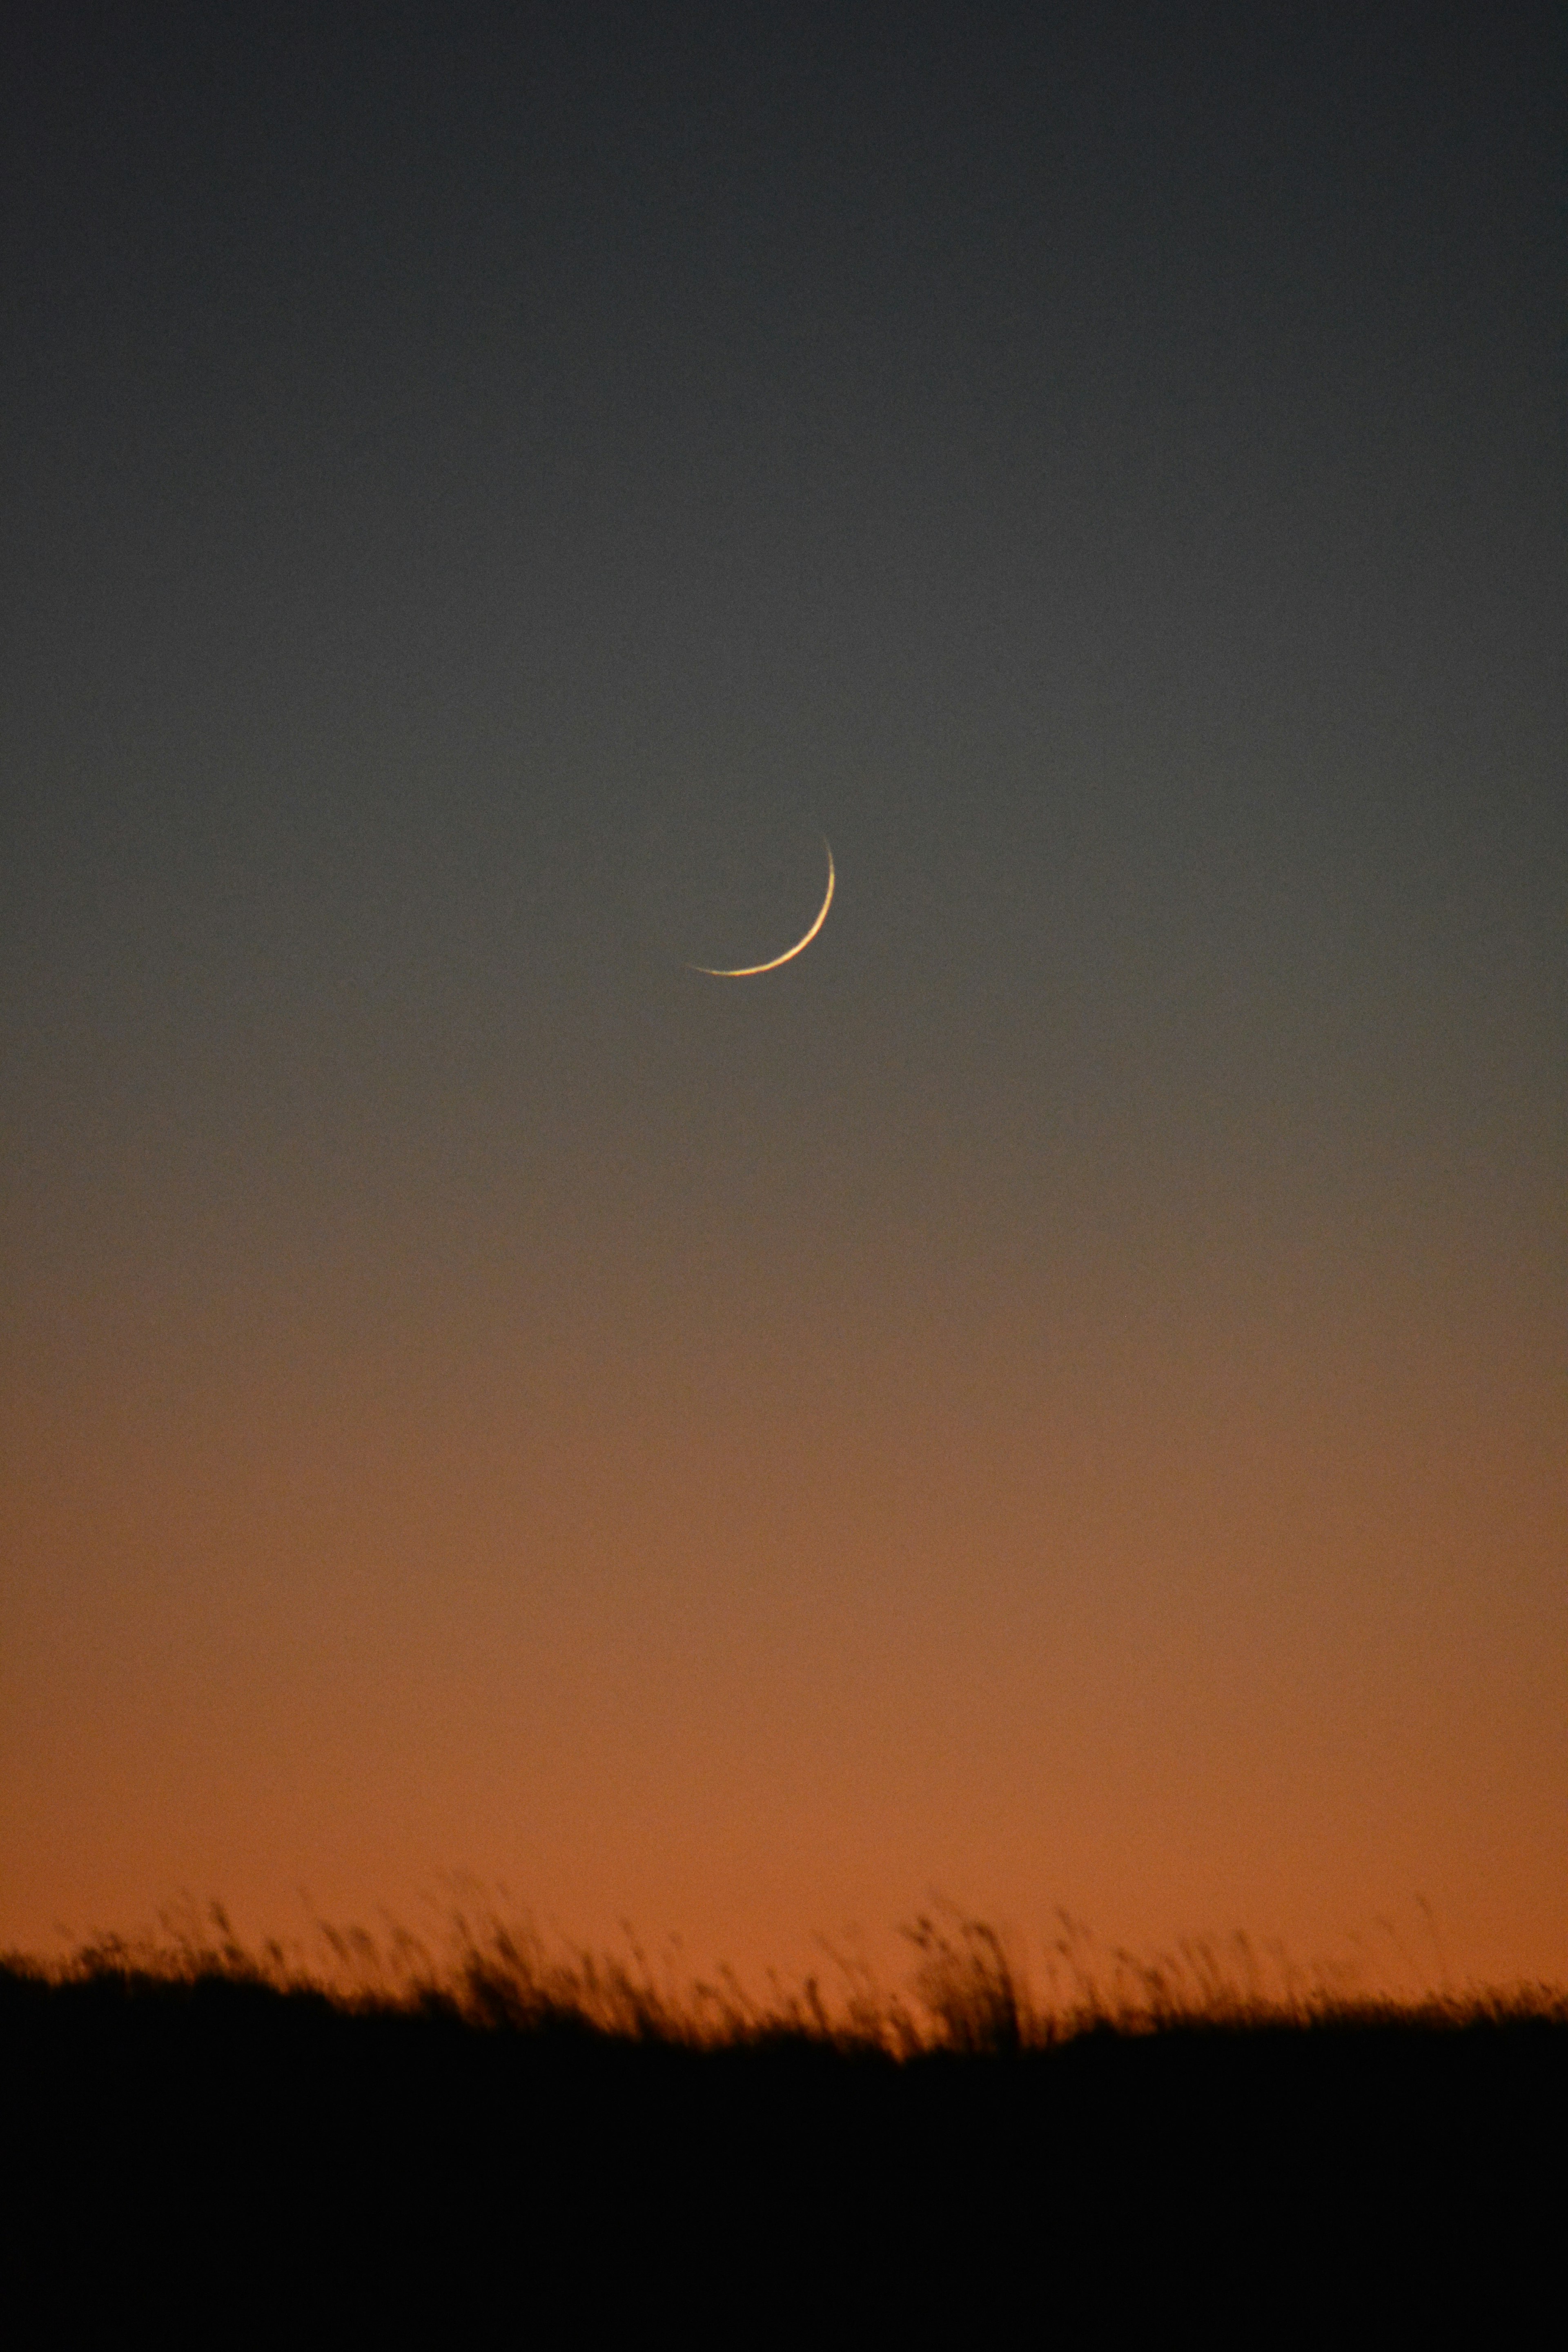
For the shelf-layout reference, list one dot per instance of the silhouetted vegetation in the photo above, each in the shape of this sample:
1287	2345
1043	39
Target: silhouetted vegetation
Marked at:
383	2128
970	1995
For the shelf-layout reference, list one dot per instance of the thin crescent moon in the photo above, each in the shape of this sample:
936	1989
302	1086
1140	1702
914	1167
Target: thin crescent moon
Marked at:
749	971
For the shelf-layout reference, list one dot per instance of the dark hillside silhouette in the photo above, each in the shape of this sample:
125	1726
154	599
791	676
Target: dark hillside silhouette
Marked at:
214	2136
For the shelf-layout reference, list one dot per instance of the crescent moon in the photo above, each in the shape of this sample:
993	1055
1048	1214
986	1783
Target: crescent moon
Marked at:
749	971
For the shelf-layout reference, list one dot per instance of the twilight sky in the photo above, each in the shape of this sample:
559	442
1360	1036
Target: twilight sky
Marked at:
1055	1396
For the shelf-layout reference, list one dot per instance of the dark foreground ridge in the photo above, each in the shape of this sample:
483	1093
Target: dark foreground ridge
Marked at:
212	2150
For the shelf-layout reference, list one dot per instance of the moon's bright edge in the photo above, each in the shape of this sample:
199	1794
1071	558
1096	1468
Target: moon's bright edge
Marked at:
749	971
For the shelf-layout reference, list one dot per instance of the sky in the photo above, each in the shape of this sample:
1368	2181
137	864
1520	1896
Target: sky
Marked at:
1056	1396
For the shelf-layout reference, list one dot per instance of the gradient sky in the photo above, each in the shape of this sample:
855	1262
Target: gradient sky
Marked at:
1058	1395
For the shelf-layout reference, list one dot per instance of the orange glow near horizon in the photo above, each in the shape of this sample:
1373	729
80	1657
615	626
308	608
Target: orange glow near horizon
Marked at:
748	1641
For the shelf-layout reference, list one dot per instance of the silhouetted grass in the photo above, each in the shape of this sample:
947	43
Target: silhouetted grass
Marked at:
969	1994
377	2133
